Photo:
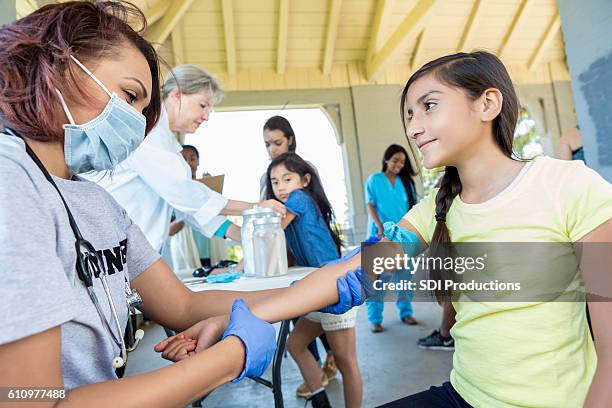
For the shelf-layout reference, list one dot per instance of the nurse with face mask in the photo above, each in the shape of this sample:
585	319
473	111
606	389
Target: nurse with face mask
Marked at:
72	262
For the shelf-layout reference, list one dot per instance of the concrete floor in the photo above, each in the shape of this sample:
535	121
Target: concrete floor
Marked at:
391	364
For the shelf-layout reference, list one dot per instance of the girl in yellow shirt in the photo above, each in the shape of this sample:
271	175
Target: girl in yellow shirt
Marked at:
461	111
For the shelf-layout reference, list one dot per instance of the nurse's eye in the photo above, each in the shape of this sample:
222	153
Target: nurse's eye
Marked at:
131	97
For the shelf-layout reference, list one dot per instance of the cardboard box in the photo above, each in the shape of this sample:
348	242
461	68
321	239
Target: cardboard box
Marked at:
215	183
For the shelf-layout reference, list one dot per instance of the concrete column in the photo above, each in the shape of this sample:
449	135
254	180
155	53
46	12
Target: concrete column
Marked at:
588	45
8	11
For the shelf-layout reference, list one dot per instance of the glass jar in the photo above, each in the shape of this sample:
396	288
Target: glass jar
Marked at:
269	247
246	235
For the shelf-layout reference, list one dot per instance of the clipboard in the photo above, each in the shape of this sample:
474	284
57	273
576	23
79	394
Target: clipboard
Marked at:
215	183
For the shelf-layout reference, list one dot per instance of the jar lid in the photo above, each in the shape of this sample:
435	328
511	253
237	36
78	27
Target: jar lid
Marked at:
267	220
258	210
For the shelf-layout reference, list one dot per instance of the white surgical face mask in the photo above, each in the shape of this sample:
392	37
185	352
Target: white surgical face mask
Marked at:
106	140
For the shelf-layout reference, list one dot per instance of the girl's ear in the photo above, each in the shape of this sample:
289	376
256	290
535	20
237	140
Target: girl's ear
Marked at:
306	179
491	104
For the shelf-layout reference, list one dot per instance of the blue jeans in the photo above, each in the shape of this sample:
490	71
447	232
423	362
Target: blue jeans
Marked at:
376	303
444	396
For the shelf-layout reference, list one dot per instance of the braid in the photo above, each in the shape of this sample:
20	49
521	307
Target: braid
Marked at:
450	187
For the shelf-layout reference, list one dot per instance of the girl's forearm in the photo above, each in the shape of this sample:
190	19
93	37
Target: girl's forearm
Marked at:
173	386
317	290
210	303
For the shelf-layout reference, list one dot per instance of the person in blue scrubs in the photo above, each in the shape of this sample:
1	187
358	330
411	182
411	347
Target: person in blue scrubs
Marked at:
390	193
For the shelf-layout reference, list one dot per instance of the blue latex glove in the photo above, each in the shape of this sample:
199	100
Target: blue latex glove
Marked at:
408	239
223	277
351	292
258	337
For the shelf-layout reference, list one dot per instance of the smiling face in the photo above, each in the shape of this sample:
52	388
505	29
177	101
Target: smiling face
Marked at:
133	84
276	143
396	163
284	182
445	124
186	112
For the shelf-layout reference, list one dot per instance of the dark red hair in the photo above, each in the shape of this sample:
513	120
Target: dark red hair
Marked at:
35	60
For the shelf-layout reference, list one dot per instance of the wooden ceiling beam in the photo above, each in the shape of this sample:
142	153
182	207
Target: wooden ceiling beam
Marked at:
230	37
283	28
513	28
155	13
416	53
471	25
178	50
381	16
330	39
408	29
162	29
551	31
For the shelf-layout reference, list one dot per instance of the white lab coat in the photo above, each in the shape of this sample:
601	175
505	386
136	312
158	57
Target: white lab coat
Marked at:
155	181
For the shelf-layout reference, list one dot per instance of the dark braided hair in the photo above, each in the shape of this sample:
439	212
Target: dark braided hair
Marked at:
473	73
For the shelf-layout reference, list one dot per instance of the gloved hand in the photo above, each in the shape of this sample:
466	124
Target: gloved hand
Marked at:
408	239
258	337
350	293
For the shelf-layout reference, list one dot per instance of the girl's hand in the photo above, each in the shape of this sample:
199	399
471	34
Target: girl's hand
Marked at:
205	334
178	348
275	205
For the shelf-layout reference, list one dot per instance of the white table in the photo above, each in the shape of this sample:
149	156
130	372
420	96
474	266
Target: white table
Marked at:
249	284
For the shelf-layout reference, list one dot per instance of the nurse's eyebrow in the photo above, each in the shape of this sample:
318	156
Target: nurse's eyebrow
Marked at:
144	90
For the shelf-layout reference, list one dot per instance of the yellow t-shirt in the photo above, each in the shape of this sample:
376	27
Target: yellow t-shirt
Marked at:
525	354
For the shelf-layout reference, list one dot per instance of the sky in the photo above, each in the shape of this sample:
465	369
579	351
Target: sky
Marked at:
231	143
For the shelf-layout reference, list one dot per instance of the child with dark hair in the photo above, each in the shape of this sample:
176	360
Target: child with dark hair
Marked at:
461	110
314	241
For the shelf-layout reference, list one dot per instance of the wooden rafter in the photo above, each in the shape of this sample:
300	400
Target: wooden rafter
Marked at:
162	29
409	28
471	25
416	53
551	31
230	38
332	31
513	28
283	28
383	10
156	12
177	45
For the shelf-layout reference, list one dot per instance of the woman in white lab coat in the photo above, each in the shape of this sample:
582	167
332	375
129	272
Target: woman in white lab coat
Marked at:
155	181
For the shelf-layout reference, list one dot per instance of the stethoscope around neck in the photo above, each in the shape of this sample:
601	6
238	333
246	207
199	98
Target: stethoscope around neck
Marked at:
89	264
